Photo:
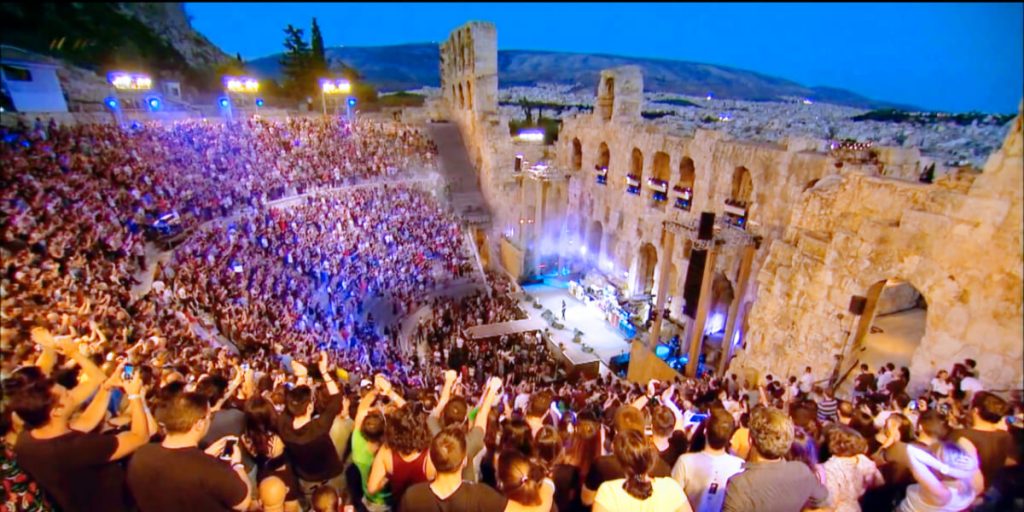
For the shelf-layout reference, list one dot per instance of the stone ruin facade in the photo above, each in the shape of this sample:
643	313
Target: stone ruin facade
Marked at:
960	248
823	225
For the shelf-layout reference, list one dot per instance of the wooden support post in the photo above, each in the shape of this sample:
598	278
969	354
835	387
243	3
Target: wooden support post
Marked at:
733	320
703	305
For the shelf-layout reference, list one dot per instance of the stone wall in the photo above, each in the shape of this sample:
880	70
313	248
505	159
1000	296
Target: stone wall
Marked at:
829	229
961	250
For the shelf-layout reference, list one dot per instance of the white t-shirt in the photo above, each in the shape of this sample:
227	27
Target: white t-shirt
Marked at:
520	402
941	387
667	496
970	384
806	382
703	476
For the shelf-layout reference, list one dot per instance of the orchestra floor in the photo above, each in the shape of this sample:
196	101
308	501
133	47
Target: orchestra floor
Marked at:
607	341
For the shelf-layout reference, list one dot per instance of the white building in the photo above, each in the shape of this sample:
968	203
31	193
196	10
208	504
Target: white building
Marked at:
30	82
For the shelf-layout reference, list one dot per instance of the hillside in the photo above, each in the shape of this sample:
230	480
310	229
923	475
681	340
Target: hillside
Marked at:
99	37
410	66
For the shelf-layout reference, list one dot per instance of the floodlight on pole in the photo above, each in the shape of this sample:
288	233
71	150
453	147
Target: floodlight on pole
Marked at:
332	86
241	84
123	80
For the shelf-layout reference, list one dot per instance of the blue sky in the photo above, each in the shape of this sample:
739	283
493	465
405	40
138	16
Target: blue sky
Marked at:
954	57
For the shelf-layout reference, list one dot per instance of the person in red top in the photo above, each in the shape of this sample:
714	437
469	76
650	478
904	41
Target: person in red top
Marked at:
403	460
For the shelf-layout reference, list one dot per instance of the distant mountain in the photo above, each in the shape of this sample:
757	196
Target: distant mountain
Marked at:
410	66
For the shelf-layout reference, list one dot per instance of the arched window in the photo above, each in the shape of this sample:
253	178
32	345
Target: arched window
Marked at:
658	184
635	178
604	156
737	207
683	190
606	99
742	187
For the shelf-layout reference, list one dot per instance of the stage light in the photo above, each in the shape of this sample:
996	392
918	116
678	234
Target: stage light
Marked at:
154	104
351	102
531	135
130	81
662	351
259	102
583	250
241	84
329	86
111	103
716	323
224	103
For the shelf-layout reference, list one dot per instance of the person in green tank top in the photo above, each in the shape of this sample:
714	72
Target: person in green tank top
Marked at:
366	440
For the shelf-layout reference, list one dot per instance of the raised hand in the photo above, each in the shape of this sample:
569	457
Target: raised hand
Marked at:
652	387
115	381
450	376
494	383
299	369
134	387
323	363
381	383
42	337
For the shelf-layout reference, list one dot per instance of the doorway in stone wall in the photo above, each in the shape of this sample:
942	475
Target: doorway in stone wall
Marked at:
646	264
593	241
891	327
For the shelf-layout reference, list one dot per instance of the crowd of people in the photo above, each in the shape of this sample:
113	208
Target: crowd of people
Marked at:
251	376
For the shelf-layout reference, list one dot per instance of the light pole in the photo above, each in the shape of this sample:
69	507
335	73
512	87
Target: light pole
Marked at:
240	87
332	87
129	89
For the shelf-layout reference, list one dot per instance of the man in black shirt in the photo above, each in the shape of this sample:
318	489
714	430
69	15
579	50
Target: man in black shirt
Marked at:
74	465
224	421
307	439
449	492
993	446
176	475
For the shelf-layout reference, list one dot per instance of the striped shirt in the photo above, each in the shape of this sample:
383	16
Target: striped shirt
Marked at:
827	409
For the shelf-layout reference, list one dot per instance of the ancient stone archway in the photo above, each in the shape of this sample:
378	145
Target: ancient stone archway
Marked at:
636	163
577	154
636	172
604	156
658	189
593	240
892	325
742	186
606	101
647	263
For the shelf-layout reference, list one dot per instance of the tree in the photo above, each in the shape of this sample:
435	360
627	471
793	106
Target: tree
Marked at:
296	63
317	46
238	57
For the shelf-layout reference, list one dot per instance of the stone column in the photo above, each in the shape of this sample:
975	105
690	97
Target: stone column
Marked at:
703	305
732	321
668	244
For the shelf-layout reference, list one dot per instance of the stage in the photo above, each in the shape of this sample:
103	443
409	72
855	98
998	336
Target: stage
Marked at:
606	340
